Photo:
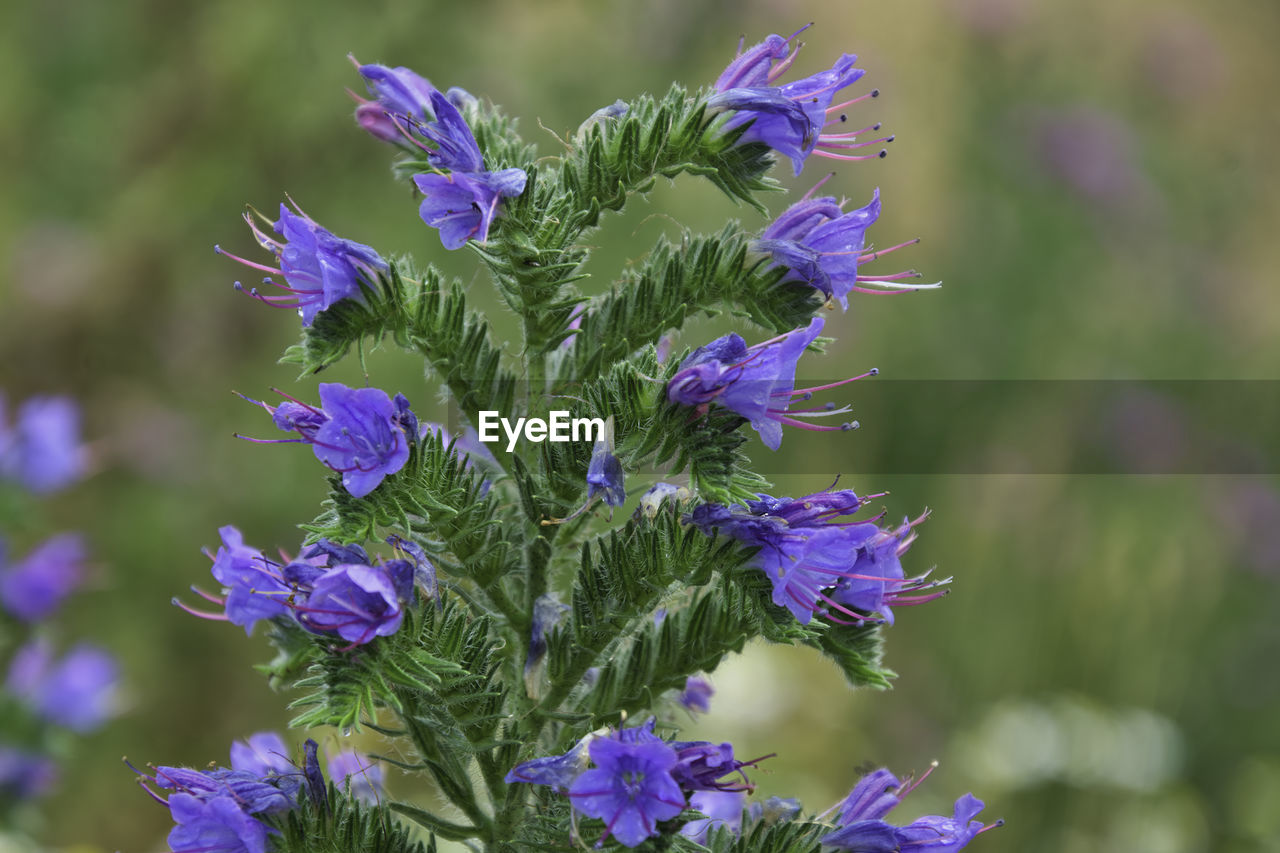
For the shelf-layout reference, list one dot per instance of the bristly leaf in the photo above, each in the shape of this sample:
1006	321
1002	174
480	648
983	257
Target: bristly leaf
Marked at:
673	283
437	501
347	825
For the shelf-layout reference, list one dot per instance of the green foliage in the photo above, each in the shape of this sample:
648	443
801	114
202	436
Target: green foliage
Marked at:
435	500
673	283
345	825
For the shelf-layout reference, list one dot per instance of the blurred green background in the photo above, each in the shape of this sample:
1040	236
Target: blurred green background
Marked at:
1095	182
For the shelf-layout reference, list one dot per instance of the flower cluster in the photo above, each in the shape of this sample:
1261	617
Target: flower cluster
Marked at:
77	692
229	809
329	589
757	382
632	779
44	694
41	450
821	562
862	828
461	196
792	118
359	432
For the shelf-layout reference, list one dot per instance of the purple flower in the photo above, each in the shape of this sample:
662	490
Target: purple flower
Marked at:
358	432
42	450
700	765
820	564
403	98
462	205
356	602
32	589
357	772
263	754
756	382
252	584
630	789
557	771
78	692
461	198
604	471
217	825
697	694
822	246
863	829
876	581
319	269
722	809
25	775
790	118
251	791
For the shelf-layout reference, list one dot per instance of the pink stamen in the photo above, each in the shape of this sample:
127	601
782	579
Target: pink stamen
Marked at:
212	617
897	276
874	93
871	256
248	263
813	189
851	158
844	427
875	371
837	142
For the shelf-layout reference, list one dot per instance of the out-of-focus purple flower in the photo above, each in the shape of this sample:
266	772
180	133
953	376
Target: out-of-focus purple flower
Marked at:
33	588
25	775
822	246
791	118
773	810
357	772
356	602
253	584
214	826
263	754
318	268
697	694
722	809
630	789
78	692
548	612
42	450
863	829
575	323
1092	153
757	382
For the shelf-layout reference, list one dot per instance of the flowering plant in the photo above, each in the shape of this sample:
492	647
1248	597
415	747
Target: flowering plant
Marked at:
513	631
